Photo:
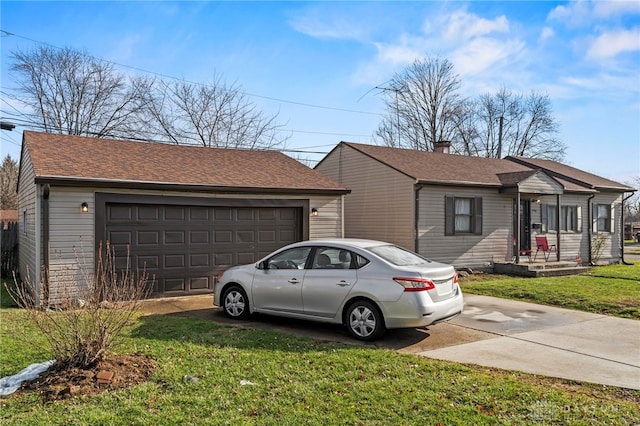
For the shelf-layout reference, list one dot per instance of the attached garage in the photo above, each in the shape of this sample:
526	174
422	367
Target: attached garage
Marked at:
182	214
183	243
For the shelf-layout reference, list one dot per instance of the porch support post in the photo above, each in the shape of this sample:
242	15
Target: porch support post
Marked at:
558	198
517	235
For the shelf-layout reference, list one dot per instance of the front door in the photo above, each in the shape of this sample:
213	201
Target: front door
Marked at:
524	226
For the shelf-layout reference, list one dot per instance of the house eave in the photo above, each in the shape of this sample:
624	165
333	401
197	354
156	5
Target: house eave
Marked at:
186	187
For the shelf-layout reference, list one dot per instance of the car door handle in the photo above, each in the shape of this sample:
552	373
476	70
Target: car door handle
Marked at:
294	281
343	283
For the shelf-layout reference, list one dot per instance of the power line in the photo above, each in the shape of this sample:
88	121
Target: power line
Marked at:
271	98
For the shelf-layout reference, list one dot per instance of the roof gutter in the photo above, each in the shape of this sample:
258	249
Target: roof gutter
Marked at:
175	186
624	262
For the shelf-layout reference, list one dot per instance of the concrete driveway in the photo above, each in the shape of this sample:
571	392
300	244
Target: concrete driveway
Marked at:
491	332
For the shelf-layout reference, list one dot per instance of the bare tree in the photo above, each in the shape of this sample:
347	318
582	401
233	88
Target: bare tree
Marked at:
8	184
632	206
422	103
512	124
73	93
212	115
423	107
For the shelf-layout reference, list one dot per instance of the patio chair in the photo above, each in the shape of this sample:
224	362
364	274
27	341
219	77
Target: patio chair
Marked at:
543	245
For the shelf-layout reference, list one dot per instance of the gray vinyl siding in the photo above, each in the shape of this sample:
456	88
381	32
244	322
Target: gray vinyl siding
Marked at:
72	233
71	239
540	183
611	249
380	205
465	250
572	243
27	190
328	223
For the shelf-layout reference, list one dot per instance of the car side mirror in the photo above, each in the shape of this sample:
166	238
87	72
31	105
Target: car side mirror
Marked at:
263	265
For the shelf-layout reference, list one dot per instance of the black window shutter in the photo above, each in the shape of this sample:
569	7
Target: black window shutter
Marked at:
449	215
477	216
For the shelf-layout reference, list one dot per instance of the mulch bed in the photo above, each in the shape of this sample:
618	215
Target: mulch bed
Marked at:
114	372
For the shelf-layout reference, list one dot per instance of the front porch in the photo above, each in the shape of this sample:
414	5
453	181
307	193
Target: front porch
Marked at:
539	268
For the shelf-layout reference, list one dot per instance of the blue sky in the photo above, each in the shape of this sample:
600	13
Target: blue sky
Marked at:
315	63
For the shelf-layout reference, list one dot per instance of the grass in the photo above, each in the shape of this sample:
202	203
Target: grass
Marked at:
610	290
294	380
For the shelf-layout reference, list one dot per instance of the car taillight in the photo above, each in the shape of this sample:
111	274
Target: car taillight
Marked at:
415	284
455	278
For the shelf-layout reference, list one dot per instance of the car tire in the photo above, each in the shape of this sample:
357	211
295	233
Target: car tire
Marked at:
235	303
364	321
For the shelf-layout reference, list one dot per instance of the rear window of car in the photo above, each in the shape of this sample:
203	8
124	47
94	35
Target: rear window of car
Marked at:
398	256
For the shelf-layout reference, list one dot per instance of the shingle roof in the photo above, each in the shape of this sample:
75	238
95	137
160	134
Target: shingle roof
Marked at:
76	158
563	171
432	167
426	166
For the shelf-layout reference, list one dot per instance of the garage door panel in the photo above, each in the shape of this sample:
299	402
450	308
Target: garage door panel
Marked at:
200	283
245	236
150	263
148	213
174	285
177	213
148	238
223	236
267	236
120	213
119	237
174	237
199	237
199	214
199	260
182	248
174	261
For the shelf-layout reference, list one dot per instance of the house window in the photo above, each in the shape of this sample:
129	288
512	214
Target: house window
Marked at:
551	220
569	218
602	216
24	222
463	215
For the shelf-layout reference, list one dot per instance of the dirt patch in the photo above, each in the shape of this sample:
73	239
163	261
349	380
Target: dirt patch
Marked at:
114	372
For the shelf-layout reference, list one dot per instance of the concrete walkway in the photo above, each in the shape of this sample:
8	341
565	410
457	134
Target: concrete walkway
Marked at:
491	332
547	341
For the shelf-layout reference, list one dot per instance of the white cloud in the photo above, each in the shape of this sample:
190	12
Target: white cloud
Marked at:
607	9
484	54
612	43
546	34
585	12
465	26
322	23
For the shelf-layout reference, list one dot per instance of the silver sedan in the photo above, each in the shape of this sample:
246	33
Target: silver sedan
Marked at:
369	286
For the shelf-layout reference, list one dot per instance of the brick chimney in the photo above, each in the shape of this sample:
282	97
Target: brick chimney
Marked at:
442	147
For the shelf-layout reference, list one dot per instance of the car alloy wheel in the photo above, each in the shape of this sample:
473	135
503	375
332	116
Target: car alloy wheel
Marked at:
235	303
364	321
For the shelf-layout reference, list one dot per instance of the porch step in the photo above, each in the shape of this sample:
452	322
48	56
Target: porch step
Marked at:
557	272
538	269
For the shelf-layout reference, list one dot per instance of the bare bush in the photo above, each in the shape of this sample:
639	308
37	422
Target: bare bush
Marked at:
90	310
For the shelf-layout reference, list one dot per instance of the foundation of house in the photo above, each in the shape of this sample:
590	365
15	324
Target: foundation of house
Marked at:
539	268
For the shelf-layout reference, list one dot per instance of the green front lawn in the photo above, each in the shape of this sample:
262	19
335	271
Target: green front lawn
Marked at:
610	290
294	380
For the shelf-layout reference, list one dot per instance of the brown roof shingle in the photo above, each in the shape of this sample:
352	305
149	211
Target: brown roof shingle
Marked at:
76	158
435	167
562	170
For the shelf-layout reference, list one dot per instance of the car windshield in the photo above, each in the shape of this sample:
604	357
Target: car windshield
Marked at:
398	256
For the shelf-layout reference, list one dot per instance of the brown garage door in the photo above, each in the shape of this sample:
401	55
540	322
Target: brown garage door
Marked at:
184	247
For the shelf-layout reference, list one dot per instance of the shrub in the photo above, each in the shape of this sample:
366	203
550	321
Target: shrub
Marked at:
89	312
